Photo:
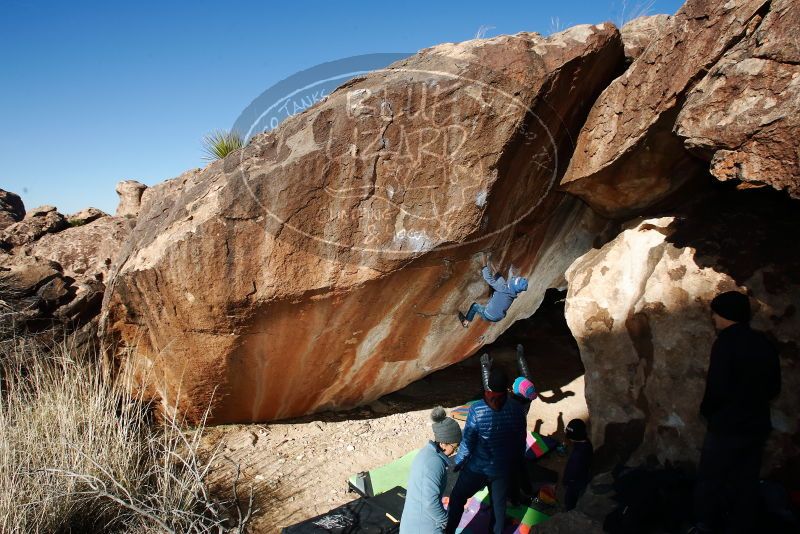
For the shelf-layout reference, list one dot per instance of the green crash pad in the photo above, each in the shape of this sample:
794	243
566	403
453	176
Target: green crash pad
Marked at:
386	477
383	478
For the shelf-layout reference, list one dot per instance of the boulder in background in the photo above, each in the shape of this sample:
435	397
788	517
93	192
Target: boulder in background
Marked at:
11	209
130	197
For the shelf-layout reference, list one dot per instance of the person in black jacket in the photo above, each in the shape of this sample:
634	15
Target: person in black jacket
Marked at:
743	376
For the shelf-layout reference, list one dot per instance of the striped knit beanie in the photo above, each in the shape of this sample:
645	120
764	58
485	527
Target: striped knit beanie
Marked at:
524	388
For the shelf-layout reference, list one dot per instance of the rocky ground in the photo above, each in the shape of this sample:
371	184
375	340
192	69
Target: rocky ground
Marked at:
299	468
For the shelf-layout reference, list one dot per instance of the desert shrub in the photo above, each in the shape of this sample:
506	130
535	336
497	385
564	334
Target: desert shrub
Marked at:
219	144
78	455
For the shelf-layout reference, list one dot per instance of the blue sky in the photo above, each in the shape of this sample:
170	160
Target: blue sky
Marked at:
95	92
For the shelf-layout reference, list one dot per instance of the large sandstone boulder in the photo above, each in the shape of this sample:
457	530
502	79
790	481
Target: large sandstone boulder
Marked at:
322	265
638	33
130	197
23	276
627	157
639	309
38	303
744	115
36	223
11	209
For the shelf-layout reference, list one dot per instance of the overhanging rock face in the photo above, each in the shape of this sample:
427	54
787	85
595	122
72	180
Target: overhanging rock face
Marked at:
322	265
628	156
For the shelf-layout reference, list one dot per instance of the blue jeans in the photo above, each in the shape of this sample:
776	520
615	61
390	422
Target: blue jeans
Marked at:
467	485
480	310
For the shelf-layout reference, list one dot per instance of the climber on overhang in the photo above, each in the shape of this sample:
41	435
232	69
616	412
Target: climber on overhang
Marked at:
504	294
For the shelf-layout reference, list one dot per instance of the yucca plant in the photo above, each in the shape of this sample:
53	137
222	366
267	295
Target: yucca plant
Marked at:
220	143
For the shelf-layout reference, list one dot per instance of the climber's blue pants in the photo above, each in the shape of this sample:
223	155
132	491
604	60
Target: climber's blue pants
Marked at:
480	310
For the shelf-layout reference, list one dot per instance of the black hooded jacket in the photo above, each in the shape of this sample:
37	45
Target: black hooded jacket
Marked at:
744	374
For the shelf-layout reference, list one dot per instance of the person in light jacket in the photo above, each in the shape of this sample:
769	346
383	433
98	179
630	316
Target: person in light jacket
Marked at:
423	512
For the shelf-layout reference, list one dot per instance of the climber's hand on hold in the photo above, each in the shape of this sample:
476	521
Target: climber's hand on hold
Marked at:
486	259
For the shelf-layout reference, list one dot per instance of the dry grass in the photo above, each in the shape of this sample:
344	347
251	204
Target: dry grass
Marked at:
77	455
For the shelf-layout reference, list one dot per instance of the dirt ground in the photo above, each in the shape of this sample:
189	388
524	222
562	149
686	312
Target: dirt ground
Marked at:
299	468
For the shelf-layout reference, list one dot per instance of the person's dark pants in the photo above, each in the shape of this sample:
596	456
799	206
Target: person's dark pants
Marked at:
728	474
519	482
573	492
480	310
467	485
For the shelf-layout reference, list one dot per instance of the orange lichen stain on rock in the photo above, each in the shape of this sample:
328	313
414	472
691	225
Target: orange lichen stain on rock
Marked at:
297	351
329	348
277	371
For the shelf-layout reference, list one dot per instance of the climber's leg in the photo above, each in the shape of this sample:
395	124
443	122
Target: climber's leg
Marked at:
466	319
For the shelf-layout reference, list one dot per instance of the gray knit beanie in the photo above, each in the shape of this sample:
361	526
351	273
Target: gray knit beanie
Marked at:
445	429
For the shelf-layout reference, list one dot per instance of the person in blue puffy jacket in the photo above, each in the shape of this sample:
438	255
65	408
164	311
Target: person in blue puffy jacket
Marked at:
523	392
504	294
493	436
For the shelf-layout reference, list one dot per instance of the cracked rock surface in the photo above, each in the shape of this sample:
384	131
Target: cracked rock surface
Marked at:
716	89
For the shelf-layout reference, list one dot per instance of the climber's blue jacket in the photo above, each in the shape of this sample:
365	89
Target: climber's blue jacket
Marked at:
504	293
493	437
